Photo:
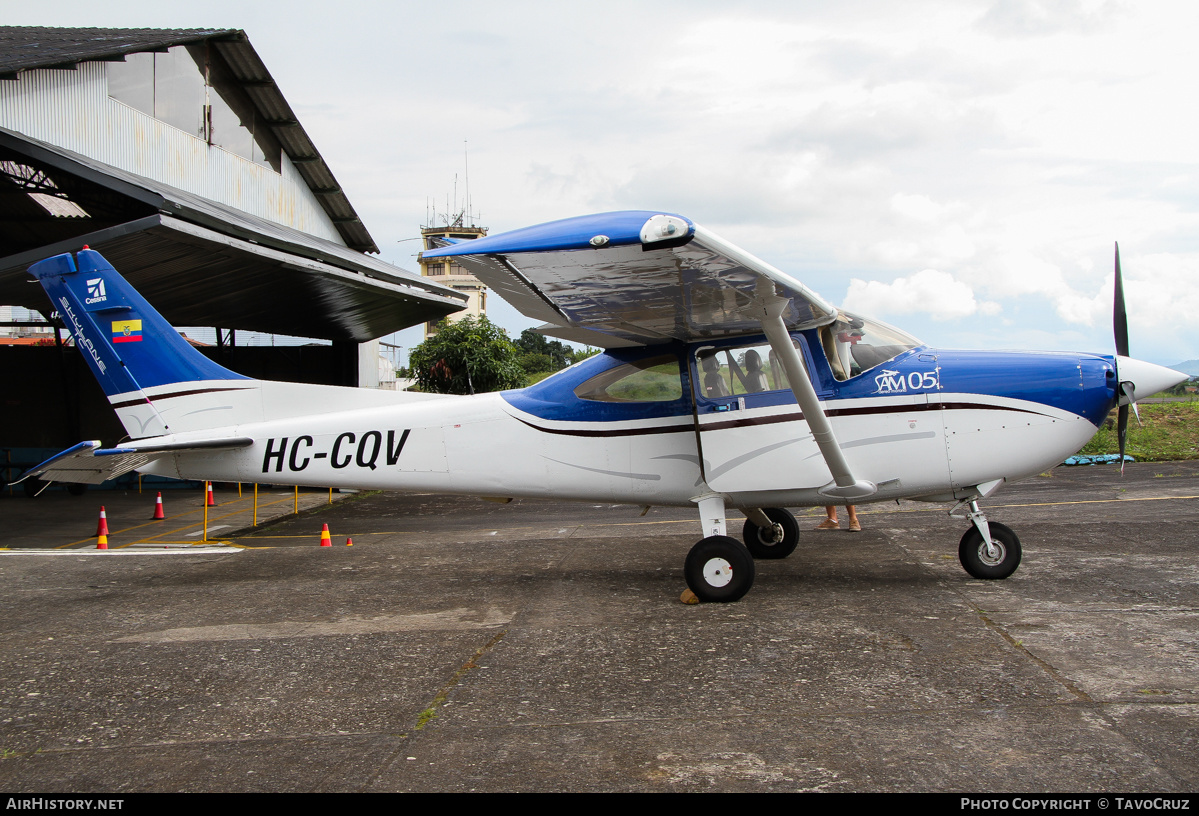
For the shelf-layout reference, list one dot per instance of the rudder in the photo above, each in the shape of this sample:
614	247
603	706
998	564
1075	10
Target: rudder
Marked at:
129	346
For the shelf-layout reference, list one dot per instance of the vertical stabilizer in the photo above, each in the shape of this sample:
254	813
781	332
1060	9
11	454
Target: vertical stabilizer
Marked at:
132	350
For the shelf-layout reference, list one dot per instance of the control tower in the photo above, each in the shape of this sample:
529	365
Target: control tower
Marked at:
447	272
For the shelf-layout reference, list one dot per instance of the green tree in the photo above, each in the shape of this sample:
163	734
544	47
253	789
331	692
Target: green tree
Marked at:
536	363
583	354
468	356
541	354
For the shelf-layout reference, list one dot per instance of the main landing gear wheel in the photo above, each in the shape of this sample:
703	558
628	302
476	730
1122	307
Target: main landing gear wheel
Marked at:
719	569
772	542
997	561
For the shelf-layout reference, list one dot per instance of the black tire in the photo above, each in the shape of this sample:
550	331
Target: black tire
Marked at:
719	569
975	560
76	488
759	541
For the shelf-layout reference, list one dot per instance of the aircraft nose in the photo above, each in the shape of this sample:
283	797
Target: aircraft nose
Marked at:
1147	378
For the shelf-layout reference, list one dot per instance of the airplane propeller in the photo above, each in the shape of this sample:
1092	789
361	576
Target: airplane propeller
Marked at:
1119	314
1131	374
1125	391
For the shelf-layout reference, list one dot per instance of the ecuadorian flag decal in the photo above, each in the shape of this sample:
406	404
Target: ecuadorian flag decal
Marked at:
126	331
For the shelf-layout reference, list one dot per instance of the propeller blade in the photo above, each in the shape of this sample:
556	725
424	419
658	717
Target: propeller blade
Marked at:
1119	313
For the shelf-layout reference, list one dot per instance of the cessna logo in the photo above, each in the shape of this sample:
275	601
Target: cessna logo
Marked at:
95	291
894	382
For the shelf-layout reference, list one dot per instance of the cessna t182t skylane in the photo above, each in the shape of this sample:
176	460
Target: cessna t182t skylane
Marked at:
725	383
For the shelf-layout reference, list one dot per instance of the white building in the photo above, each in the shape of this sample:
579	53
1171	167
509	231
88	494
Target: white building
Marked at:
174	154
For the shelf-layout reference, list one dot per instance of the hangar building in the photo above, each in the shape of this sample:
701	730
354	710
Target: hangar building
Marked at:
174	153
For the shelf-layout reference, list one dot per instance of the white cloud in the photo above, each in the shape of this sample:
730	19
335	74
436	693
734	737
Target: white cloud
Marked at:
1038	18
998	145
917	207
929	291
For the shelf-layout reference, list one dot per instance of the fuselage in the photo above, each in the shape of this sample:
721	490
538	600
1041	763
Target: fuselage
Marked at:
664	424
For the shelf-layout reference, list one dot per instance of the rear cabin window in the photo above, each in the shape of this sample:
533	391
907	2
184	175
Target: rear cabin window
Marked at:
655	379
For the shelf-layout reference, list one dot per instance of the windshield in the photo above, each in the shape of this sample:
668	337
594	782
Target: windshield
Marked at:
855	345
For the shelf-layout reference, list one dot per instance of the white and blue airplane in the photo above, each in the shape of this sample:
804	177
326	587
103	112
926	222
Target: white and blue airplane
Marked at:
725	383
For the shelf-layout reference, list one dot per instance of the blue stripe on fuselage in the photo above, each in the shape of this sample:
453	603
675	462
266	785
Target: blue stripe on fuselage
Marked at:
1082	384
554	398
1078	383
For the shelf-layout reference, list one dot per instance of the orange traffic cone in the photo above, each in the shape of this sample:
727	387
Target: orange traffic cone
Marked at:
325	540
102	544
102	527
158	514
210	500
349	542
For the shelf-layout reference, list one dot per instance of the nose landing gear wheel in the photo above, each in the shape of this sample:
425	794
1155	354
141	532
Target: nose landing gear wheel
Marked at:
996	561
766	542
719	569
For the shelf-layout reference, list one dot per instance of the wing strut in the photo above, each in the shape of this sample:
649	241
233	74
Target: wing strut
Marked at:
844	485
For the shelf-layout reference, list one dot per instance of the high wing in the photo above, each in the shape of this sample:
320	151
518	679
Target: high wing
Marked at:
641	277
88	463
634	278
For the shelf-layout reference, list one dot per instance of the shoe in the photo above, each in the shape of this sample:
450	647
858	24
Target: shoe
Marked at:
829	524
855	527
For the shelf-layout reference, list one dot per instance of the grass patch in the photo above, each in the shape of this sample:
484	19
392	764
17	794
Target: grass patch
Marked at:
533	379
1170	433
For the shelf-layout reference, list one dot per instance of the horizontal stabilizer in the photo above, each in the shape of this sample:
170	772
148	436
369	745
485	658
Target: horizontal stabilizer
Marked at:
88	463
224	443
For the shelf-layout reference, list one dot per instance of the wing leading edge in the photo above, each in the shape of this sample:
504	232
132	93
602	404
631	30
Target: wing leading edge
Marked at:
634	278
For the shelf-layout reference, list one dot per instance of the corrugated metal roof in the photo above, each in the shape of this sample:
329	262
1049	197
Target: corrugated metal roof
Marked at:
196	276
205	264
25	48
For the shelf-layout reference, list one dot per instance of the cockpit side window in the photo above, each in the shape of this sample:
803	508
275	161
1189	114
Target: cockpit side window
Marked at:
854	345
655	379
735	370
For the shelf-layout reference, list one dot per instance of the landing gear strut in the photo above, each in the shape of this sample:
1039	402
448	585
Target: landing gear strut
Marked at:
771	532
988	550
718	568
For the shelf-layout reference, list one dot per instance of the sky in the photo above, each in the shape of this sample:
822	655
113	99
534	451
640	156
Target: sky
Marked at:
958	169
